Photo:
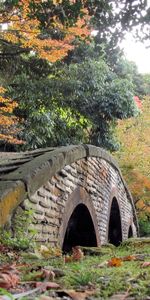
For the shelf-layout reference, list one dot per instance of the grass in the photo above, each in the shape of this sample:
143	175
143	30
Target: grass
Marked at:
93	272
109	280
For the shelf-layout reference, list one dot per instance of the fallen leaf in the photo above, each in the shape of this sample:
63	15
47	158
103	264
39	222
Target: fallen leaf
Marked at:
146	264
44	251
128	258
115	262
74	295
44	274
67	259
77	253
48	274
4	249
57	252
8	281
50	252
9	277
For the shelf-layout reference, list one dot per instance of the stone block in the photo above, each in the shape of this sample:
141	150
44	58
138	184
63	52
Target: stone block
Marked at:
11	195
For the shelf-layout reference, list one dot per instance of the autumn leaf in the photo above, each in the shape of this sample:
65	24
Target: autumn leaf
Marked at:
48	252
68	259
19	21
44	251
9	277
44	274
75	295
146	264
77	253
115	262
128	258
8	122
121	296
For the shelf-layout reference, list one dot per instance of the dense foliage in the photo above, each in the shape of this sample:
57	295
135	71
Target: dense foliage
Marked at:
70	87
134	158
79	102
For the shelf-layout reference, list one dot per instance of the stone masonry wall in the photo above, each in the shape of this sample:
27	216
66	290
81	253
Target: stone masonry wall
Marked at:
97	179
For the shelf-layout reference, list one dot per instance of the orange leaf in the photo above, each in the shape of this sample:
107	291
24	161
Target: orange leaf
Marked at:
115	262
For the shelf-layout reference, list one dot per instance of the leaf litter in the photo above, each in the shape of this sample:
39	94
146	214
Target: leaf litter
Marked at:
48	275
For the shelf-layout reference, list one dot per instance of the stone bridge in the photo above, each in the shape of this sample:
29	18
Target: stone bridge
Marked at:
77	194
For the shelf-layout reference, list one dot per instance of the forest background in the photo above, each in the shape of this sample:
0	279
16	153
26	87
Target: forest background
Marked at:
65	80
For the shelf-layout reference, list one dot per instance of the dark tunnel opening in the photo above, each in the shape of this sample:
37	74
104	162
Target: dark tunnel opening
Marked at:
115	232
80	230
130	232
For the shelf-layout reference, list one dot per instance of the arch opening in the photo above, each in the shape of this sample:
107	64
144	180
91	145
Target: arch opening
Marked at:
115	231
80	229
130	232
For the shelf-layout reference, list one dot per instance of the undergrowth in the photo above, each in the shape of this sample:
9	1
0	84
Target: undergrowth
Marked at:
21	236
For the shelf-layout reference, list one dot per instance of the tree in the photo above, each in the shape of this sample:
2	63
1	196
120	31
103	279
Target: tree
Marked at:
28	34
49	27
113	19
74	103
128	69
97	93
43	33
146	80
27	31
134	157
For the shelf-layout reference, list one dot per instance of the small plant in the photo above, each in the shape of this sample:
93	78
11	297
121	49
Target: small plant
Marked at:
20	235
82	278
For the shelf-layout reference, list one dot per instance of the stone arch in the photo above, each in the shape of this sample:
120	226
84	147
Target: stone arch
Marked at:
115	220
80	229
35	168
45	179
79	202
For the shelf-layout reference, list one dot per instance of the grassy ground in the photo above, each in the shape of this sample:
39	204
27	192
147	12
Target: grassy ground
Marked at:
94	276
